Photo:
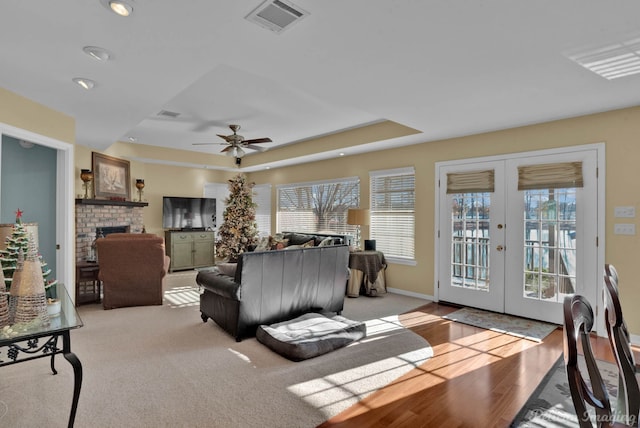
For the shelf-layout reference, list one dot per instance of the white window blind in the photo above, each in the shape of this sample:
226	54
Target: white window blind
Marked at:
262	197
393	212
319	206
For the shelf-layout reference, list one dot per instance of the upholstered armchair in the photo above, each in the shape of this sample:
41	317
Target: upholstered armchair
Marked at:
132	269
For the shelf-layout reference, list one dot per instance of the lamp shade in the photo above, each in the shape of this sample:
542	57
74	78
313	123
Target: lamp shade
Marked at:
358	216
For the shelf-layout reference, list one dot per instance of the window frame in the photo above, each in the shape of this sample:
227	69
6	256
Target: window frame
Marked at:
390	257
343	227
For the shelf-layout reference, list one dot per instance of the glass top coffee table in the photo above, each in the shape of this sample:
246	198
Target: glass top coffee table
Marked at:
41	340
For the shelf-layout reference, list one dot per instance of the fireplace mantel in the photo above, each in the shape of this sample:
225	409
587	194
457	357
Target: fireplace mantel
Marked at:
82	201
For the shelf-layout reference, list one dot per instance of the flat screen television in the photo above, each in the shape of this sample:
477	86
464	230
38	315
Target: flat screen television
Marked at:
180	213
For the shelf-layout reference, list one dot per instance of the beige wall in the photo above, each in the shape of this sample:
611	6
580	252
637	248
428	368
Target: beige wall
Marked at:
618	129
23	113
160	180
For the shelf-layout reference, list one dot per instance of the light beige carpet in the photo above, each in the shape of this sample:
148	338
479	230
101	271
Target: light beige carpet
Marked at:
161	366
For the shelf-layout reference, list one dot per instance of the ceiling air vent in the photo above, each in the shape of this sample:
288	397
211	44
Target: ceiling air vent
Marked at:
167	113
276	15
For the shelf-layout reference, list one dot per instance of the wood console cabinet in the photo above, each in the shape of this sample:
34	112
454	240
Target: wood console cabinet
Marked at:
190	249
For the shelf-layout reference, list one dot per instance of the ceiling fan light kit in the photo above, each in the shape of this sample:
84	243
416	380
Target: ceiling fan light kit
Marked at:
236	144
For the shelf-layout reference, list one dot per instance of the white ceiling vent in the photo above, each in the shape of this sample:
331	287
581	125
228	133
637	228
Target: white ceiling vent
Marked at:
167	113
276	15
612	61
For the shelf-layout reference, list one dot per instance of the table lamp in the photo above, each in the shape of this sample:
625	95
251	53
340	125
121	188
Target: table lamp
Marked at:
358	217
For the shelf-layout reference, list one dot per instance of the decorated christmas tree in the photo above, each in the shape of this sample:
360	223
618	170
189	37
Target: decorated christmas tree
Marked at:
16	243
238	229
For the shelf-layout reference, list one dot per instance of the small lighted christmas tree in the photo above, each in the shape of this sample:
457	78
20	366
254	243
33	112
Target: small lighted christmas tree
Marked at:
18	242
238	230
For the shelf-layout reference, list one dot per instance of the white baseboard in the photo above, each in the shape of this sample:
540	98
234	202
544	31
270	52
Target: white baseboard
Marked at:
410	293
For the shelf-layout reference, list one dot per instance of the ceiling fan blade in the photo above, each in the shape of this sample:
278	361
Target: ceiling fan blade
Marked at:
252	147
257	140
224	137
226	149
204	144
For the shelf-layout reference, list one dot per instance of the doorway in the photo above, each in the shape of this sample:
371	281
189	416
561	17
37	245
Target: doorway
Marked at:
518	233
63	207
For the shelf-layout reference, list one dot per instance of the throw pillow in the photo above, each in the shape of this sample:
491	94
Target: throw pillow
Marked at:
310	243
263	244
326	241
279	244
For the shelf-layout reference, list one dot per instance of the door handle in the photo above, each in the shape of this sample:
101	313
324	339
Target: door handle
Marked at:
500	248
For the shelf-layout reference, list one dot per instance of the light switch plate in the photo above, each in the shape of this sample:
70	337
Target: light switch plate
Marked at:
624	229
624	212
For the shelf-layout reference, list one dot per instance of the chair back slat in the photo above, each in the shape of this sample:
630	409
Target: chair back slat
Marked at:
578	322
628	404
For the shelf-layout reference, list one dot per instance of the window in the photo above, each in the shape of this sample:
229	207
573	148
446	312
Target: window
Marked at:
318	206
262	198
393	213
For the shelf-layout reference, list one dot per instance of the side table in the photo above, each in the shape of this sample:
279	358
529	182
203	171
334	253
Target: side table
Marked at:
87	279
367	273
43	341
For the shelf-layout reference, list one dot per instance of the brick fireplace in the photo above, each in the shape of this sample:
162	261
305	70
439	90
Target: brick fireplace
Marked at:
92	214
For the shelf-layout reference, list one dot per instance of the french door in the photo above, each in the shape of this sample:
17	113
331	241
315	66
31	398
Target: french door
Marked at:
518	234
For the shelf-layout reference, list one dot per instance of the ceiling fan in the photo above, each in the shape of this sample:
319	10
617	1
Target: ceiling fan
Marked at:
236	143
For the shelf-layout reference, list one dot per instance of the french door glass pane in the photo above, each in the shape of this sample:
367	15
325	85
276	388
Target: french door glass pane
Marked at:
470	240
549	243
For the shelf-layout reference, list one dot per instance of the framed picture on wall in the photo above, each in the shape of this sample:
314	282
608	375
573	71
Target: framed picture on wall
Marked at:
110	177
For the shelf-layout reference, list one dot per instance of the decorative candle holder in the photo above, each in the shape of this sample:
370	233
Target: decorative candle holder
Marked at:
86	175
139	186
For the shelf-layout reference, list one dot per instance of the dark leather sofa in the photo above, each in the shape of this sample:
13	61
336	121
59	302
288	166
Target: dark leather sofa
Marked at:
275	286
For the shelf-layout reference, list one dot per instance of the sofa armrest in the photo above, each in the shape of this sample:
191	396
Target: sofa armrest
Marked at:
217	283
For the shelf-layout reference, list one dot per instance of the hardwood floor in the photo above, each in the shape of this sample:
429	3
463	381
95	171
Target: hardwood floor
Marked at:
476	378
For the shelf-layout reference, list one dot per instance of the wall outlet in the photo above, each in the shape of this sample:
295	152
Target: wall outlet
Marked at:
626	212
624	229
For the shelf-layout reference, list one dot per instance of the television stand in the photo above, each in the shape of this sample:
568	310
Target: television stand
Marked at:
189	249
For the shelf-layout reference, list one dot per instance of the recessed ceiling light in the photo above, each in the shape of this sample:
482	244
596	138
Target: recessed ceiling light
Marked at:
341	154
120	7
97	53
85	83
132	139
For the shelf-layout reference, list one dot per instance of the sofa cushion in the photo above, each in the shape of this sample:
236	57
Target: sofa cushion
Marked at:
298	238
310	335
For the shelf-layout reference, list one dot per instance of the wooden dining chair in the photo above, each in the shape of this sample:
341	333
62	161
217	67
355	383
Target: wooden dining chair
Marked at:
590	389
628	403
